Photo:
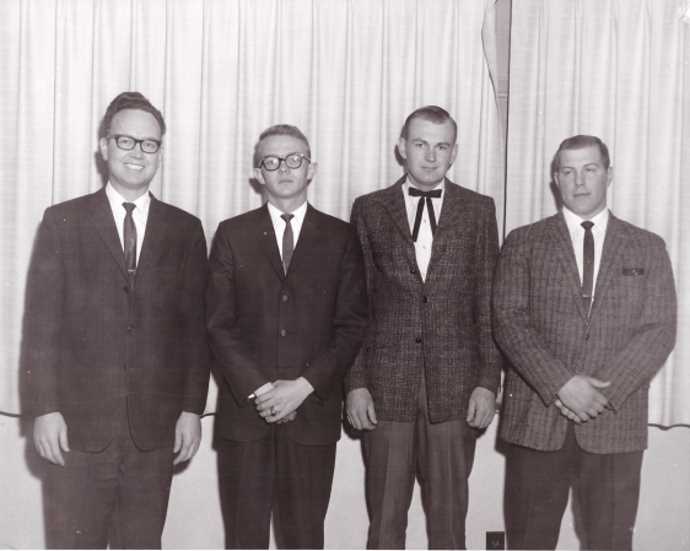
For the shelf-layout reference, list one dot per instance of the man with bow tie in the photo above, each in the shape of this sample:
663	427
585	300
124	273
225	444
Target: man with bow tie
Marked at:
426	377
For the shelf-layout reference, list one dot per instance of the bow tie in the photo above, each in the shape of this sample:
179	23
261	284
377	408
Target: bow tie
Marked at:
424	196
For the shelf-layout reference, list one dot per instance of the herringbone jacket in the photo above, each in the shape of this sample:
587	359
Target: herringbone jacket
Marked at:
441	325
543	328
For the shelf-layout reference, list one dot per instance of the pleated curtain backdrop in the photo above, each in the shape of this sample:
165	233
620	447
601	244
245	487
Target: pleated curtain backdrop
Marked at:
619	69
345	71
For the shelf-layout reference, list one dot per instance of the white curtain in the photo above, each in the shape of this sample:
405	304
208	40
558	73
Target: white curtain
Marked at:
345	71
619	69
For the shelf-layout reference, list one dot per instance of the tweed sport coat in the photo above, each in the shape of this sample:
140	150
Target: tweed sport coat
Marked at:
265	325
91	341
441	325
543	328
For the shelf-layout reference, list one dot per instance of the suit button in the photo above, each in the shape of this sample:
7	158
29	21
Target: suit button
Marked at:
425	299
586	336
413	271
130	328
125	288
418	340
284	297
283	332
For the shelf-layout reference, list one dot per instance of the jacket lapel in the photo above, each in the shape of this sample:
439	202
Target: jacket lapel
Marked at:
453	217
613	246
104	223
393	203
307	242
563	251
269	245
154	239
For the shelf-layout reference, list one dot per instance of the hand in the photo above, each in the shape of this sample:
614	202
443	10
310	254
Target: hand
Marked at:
187	436
287	418
360	410
581	396
481	408
566	412
50	437
283	399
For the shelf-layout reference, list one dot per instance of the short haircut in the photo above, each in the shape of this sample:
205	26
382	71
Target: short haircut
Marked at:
129	100
579	142
279	130
432	113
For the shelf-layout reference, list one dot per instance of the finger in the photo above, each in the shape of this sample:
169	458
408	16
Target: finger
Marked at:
55	453
63	441
265	397
355	421
371	414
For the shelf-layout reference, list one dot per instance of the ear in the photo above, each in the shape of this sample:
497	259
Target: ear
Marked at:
609	176
103	148
453	155
259	176
311	171
402	143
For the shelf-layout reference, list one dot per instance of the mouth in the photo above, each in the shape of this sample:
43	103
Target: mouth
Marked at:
134	166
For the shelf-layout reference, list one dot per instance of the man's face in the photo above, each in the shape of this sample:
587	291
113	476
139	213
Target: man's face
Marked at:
583	180
285	186
131	172
429	150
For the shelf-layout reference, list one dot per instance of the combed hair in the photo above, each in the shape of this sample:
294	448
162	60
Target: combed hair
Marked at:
579	142
279	130
432	113
129	100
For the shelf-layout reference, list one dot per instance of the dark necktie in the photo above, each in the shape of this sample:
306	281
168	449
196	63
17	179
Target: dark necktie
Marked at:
129	235
587	264
414	192
288	241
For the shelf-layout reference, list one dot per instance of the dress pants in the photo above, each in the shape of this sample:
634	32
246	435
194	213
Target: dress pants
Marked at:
278	475
441	455
118	496
606	490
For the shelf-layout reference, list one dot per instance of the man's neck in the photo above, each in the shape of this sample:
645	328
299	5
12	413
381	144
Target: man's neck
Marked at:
128	193
288	205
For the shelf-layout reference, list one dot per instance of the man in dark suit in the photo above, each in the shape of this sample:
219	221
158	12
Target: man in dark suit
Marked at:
115	345
428	371
286	315
585	310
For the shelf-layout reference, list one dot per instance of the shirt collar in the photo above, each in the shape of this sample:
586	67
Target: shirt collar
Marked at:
573	221
299	213
116	199
407	185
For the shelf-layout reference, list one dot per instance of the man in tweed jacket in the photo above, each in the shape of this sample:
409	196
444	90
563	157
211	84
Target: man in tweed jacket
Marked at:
575	400
429	369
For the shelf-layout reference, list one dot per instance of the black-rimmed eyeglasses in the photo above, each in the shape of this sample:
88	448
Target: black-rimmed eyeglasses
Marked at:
293	160
127	143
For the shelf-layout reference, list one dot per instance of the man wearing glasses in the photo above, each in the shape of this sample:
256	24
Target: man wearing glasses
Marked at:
286	314
115	347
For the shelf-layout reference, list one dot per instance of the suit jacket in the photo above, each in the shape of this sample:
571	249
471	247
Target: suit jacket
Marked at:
92	342
265	325
543	328
441	325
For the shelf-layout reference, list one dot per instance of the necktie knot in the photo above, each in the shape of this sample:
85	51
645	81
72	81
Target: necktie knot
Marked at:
587	225
414	192
287	217
424	197
129	207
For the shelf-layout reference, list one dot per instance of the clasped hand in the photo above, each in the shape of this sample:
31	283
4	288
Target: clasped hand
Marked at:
580	398
279	404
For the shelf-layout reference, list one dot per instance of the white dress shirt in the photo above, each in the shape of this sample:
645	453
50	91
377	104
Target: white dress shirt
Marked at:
279	224
577	238
425	239
140	214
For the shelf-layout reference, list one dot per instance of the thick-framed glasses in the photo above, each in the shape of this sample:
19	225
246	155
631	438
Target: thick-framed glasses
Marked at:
127	143
293	160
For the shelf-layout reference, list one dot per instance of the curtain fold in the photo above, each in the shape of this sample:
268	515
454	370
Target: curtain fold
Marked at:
618	69
347	72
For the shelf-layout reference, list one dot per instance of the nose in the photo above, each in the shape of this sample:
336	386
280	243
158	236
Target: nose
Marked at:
283	167
581	178
430	154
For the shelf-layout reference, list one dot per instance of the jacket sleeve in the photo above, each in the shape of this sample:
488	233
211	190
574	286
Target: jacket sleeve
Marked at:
236	363
329	366
42	318
195	277
487	255
524	347
652	342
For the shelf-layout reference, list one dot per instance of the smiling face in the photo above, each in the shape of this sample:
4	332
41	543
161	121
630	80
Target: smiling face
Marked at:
583	180
429	150
131	172
285	187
